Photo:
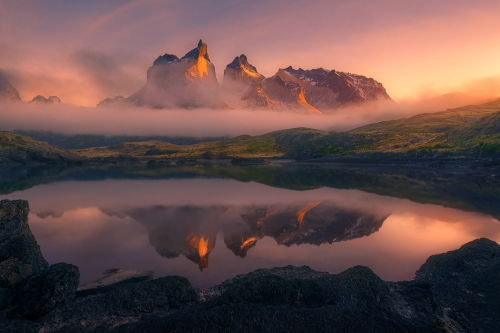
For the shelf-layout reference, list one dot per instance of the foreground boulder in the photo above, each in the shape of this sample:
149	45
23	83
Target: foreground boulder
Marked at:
29	288
158	297
466	284
298	299
112	279
46	290
16	239
20	255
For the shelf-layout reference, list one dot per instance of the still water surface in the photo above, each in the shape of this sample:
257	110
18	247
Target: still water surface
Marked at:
212	229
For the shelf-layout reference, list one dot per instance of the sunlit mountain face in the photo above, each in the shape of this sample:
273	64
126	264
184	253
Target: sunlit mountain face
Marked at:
190	82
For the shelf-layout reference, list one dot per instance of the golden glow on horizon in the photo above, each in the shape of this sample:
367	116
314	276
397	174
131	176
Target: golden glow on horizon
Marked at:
414	54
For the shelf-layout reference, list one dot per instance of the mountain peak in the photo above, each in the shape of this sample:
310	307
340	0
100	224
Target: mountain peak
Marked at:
165	59
42	100
241	62
7	91
240	70
198	52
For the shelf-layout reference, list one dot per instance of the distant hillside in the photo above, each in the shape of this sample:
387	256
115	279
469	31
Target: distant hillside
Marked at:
429	134
82	141
465	131
437	122
18	149
483	134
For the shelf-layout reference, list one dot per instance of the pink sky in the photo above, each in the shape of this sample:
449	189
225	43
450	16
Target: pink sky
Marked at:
84	51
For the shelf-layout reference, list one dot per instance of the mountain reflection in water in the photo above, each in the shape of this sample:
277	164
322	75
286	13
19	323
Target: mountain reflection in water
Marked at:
192	231
228	227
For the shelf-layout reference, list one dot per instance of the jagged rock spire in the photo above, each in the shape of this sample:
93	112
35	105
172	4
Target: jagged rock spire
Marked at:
200	51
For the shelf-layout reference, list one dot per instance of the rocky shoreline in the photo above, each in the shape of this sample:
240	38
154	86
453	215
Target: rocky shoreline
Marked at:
456	291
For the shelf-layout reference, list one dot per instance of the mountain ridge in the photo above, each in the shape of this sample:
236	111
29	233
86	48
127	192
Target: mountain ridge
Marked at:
190	82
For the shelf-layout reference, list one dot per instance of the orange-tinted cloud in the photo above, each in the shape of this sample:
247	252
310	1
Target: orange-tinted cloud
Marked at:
408	46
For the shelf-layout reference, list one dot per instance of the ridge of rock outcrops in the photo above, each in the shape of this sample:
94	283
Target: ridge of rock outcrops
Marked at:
190	82
39	99
321	89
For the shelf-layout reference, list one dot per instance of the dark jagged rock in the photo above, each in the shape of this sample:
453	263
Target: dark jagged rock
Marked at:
13	272
20	254
297	299
200	51
466	283
112	279
17	326
46	290
165	59
158	297
16	239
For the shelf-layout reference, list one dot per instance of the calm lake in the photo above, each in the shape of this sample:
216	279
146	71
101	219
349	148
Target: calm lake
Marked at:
211	223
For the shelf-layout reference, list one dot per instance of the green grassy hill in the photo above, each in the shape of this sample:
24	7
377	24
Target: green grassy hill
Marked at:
18	149
437	122
462	131
483	134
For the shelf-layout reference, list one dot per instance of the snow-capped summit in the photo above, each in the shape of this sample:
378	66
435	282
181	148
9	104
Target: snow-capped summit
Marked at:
327	90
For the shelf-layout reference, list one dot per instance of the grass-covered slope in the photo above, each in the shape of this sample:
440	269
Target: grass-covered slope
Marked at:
469	130
18	149
483	134
273	144
437	122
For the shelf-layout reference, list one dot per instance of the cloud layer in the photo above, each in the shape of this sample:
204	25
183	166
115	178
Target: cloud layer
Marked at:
86	52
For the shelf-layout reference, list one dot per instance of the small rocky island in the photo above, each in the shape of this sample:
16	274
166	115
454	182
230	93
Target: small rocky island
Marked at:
458	291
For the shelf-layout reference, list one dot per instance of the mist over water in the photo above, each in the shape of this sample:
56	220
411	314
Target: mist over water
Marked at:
69	119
